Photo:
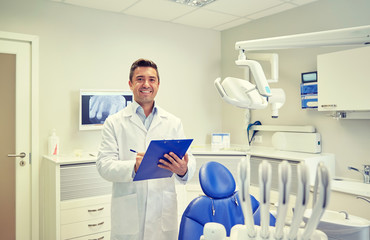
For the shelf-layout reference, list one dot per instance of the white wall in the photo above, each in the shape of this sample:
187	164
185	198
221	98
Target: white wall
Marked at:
89	49
348	139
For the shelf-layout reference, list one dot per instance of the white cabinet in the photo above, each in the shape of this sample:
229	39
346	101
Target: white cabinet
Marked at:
75	200
344	80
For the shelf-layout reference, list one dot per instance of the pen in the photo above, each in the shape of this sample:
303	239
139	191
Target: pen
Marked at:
132	150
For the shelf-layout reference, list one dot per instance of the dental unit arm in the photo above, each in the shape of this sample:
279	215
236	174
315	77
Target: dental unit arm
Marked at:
244	94
338	37
276	101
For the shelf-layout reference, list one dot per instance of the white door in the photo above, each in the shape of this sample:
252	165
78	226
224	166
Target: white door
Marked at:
15	139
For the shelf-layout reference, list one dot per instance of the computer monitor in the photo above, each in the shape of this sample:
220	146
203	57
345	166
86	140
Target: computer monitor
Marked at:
97	105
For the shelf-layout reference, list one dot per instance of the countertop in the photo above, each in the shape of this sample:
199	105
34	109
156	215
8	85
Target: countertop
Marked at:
268	152
347	185
71	158
351	186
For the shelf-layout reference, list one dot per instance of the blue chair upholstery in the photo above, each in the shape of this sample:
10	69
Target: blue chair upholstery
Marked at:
220	204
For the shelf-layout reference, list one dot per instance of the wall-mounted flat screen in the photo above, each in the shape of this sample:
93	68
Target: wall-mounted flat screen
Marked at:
97	105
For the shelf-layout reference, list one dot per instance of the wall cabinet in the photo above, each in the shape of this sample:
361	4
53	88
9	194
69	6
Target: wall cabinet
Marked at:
75	200
344	80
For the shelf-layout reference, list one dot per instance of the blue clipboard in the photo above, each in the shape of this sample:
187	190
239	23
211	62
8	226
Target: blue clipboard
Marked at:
148	168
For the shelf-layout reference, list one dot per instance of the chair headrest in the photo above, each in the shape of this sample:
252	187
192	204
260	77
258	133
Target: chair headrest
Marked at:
216	180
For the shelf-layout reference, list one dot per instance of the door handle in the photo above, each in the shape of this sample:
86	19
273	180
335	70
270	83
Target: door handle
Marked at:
21	155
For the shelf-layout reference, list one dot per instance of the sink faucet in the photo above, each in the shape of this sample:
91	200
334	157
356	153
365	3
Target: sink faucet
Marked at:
365	172
363	198
345	214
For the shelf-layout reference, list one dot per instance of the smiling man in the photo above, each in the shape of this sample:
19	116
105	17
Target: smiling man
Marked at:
144	83
142	210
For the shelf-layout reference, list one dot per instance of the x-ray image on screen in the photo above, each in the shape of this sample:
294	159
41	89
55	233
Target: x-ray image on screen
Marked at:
97	106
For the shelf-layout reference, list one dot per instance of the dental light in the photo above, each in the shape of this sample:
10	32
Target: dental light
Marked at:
244	94
240	93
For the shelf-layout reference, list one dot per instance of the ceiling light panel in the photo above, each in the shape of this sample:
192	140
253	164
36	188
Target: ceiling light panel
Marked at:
163	10
194	3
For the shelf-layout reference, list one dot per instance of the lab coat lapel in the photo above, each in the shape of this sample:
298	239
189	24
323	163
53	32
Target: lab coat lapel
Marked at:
135	119
158	119
155	123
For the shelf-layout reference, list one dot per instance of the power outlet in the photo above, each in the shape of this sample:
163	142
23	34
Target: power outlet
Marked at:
257	139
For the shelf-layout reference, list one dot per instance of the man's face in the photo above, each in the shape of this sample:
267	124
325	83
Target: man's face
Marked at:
144	85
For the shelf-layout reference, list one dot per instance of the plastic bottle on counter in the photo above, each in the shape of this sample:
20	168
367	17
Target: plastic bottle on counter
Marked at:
53	143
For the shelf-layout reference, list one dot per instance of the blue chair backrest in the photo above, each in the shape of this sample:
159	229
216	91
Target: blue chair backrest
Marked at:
221	203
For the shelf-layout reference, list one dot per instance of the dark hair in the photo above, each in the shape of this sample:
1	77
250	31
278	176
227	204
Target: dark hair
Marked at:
143	63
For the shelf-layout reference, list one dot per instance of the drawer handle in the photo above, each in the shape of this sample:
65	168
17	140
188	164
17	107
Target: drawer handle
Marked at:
97	238
329	105
101	238
95	225
96	210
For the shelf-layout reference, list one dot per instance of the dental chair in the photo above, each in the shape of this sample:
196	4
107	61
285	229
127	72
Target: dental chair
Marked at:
220	204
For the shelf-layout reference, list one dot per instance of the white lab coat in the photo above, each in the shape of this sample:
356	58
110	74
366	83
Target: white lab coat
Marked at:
140	210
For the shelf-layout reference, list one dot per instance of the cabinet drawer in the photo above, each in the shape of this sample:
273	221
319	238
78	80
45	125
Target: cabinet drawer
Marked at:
255	162
81	181
98	236
85	213
79	229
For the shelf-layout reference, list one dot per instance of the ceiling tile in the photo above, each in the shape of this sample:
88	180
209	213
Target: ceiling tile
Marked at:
231	24
272	11
302	2
106	5
204	18
164	10
241	7
218	15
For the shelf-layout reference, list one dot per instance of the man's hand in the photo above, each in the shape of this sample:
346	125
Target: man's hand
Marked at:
175	164
139	158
